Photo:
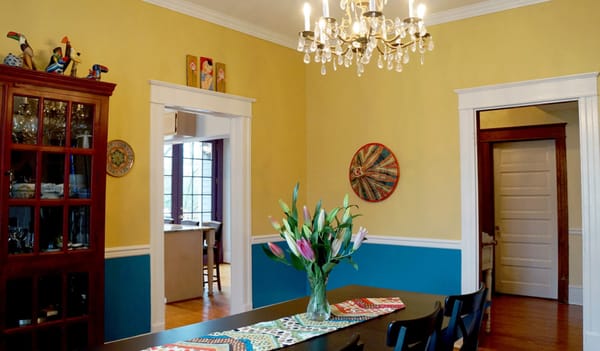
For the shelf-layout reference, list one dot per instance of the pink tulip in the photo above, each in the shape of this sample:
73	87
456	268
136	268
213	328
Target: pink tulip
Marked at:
306	215
360	237
305	249
275	224
276	250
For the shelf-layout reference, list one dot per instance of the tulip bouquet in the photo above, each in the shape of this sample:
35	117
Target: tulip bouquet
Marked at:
316	246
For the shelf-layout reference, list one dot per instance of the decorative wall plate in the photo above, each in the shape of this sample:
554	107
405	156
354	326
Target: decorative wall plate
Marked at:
119	158
374	172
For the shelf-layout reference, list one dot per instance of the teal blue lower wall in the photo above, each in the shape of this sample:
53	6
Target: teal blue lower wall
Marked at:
430	270
421	269
126	297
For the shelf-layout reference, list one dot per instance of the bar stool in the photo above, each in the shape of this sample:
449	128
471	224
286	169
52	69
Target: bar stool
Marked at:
217	254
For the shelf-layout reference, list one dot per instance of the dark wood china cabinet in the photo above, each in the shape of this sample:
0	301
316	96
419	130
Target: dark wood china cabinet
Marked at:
52	200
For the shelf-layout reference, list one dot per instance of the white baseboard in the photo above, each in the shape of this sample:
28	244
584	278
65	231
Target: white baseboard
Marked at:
576	295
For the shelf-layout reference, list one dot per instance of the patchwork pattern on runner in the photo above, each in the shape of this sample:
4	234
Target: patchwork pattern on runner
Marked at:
286	331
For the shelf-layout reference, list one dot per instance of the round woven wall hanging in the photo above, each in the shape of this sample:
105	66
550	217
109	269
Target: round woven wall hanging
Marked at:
374	172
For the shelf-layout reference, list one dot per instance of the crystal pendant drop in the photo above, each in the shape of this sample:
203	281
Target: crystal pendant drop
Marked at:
306	58
323	70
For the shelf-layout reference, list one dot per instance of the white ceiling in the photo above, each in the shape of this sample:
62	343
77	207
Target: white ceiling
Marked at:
279	21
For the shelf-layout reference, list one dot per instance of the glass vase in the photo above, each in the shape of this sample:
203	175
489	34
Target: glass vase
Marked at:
318	308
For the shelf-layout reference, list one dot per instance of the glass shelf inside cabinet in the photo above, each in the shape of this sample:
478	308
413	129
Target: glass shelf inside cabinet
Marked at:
54	122
19	299
49	298
77	298
51	228
79	227
82	121
80	176
25	120
53	166
20	230
22	172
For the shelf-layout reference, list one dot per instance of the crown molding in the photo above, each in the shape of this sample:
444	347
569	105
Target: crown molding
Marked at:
478	9
203	13
188	8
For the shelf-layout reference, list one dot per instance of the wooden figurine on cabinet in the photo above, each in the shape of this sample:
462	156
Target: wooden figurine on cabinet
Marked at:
25	48
96	71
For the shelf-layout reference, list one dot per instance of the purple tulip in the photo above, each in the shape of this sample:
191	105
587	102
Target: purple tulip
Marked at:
360	237
276	250
305	249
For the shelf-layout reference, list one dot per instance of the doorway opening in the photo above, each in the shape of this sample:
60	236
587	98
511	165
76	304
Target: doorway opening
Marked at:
582	88
235	113
525	198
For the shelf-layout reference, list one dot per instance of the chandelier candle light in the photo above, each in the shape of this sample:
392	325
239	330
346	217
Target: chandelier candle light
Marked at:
363	31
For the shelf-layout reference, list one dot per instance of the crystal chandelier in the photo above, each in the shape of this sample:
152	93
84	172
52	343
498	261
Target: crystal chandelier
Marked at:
362	32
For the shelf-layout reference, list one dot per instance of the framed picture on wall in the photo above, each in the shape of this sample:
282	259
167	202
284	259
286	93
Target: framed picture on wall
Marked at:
191	72
207	80
220	76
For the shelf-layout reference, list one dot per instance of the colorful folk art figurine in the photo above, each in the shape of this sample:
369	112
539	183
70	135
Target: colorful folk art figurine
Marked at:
96	70
71	55
57	62
25	48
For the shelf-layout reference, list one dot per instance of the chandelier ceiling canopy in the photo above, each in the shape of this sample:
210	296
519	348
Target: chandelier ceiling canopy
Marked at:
362	32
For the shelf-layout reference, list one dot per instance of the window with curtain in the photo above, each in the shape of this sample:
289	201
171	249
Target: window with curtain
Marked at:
191	178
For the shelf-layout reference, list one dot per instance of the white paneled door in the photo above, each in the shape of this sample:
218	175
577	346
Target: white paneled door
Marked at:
525	218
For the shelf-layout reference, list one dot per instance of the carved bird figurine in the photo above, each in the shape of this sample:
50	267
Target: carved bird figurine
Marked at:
25	48
96	70
57	62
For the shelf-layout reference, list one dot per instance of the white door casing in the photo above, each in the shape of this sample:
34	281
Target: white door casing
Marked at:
236	200
526	226
582	88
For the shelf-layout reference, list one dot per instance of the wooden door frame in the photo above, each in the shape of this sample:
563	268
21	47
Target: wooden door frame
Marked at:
486	138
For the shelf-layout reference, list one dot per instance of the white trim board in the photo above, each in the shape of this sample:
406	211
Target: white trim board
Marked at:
126	251
380	239
581	88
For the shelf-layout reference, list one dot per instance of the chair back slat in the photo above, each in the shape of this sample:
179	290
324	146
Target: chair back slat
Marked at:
418	334
466	315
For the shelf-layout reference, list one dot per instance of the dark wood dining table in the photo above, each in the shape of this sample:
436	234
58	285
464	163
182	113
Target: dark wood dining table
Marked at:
372	332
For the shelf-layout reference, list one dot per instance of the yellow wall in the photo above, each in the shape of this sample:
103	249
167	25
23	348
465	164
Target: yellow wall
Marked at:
139	42
307	127
415	112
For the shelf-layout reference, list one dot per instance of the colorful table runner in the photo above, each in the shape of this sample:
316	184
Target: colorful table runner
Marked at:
286	331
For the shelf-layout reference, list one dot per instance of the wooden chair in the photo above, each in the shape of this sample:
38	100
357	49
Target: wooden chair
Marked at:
419	334
466	315
217	254
353	344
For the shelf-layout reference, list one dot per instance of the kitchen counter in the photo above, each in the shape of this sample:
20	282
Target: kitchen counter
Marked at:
184	261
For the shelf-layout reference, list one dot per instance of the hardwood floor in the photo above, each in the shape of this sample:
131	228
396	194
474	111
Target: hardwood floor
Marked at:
524	323
182	313
518	323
